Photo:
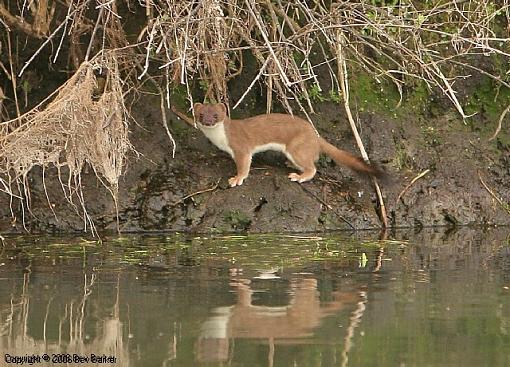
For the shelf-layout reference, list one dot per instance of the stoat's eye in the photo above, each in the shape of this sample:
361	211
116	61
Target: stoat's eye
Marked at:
201	116
215	116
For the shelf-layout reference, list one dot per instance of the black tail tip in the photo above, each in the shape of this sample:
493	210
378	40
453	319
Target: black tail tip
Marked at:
381	175
375	171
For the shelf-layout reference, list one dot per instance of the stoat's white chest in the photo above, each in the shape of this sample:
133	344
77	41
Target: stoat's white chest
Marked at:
218	137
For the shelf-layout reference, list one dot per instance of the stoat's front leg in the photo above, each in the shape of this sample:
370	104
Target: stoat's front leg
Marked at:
243	163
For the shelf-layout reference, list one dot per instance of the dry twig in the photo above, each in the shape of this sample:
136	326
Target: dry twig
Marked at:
344	83
503	205
212	188
410	184
500	122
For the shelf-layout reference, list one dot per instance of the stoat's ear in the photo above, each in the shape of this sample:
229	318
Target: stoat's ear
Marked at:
197	107
223	106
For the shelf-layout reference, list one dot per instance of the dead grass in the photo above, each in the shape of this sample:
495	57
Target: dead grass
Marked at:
80	125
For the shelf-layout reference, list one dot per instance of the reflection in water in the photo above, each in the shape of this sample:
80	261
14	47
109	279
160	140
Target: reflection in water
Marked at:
433	298
277	324
22	334
355	319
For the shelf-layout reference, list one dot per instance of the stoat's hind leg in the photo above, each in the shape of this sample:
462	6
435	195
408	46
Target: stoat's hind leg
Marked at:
307	175
304	159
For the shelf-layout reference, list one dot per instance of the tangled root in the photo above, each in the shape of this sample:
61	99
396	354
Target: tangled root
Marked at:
85	123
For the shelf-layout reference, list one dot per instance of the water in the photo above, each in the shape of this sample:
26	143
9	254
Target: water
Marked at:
426	299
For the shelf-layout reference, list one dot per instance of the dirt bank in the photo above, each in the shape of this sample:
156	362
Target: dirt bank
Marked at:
190	192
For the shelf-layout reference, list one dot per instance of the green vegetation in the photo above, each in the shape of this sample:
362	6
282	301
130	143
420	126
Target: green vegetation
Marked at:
383	97
237	220
488	98
402	159
432	136
316	94
179	97
253	251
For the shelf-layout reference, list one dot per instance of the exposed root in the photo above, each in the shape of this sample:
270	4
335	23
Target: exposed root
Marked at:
81	125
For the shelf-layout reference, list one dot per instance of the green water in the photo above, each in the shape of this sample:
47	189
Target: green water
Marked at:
418	299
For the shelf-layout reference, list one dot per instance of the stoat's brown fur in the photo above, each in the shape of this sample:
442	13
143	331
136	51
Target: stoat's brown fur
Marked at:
288	134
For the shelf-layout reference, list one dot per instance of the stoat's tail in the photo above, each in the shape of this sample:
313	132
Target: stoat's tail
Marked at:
344	158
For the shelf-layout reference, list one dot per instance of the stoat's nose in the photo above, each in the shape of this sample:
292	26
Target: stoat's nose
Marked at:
210	121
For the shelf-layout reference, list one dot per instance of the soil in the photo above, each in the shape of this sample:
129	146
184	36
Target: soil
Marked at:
189	192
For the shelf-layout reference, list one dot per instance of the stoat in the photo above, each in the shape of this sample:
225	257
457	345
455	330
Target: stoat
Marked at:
288	134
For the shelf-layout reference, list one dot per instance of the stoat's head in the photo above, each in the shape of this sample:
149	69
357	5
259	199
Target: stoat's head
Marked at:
209	115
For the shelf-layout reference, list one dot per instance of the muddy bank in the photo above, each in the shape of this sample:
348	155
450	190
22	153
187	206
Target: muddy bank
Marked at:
464	173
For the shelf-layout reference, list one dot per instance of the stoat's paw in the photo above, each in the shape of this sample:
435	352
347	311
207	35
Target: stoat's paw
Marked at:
296	177
235	181
293	176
